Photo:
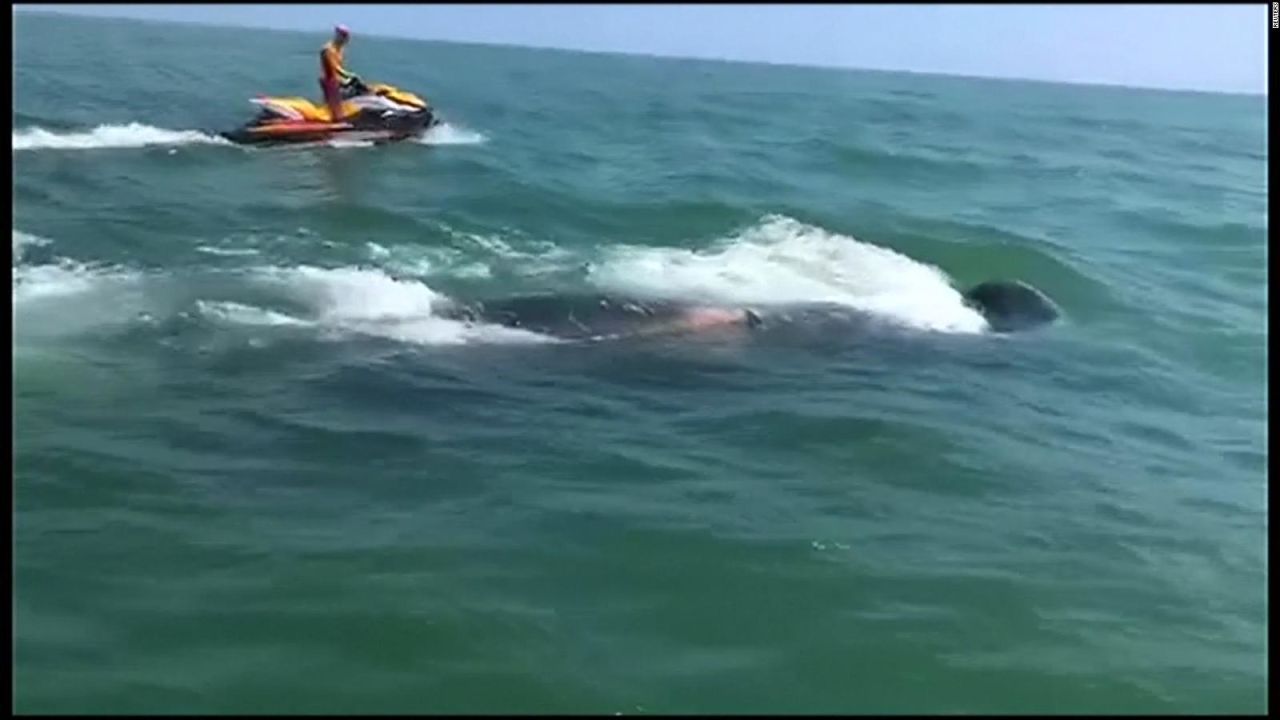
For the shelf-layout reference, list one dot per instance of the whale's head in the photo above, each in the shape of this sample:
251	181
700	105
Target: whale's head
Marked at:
1011	305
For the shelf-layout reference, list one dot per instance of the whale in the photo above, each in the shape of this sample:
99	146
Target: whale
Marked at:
1009	306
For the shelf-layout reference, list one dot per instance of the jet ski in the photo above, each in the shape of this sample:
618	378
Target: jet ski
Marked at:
378	113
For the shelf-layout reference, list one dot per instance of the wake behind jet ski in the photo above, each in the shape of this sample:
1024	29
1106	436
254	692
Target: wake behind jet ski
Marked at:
378	112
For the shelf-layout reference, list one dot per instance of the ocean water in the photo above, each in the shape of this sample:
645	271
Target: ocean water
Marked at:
255	469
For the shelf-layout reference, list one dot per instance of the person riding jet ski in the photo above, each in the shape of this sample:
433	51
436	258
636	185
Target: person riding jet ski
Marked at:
377	112
336	80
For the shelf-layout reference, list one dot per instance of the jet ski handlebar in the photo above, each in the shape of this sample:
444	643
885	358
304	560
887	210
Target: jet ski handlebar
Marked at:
354	86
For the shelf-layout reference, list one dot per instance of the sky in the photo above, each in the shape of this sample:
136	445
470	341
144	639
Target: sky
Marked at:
1186	47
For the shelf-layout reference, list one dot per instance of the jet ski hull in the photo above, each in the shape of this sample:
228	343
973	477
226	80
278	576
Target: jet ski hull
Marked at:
381	129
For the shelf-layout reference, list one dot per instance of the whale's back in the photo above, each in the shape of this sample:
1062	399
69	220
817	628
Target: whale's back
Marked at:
1012	305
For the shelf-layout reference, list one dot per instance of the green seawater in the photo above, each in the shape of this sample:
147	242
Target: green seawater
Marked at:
256	471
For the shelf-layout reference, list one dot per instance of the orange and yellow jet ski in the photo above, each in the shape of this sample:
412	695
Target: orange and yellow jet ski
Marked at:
380	113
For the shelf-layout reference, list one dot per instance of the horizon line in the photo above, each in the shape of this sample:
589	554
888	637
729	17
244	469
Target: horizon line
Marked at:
52	10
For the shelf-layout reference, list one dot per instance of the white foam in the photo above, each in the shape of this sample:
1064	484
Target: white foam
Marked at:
420	261
240	314
22	241
370	302
780	260
61	279
49	296
42	281
342	143
353	293
446	134
493	245
473	270
541	258
230	252
133	135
